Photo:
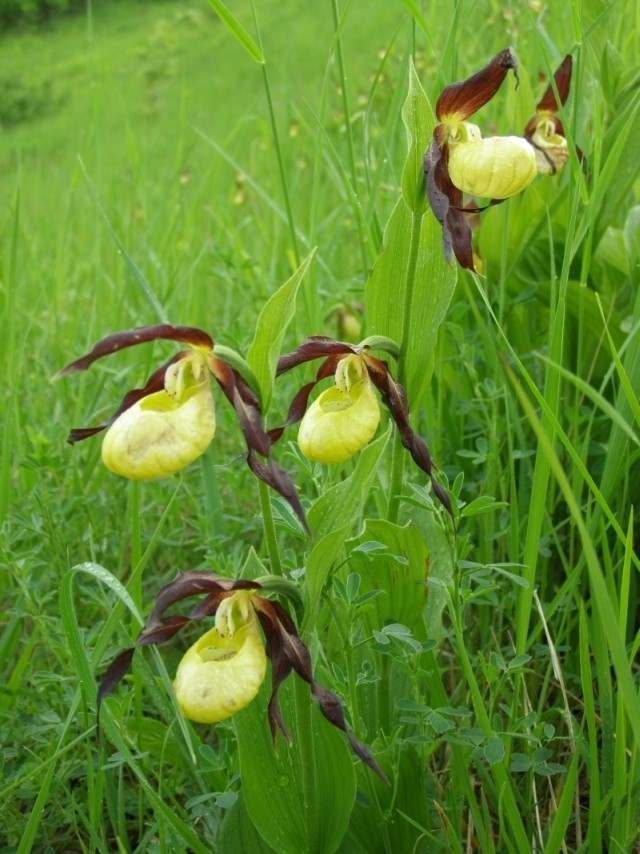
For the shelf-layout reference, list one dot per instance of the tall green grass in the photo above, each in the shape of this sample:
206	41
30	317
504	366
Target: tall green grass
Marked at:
173	175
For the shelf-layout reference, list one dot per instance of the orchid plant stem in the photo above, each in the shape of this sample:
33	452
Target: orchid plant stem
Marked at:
270	536
397	462
135	584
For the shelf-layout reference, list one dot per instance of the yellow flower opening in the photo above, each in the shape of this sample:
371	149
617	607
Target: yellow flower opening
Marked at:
165	431
224	669
494	168
344	418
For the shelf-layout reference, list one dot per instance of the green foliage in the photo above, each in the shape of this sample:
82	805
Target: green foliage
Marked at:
171	161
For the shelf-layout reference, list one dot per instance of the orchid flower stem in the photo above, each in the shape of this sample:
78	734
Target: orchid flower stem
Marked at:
135	585
409	283
396	478
270	536
307	759
397	462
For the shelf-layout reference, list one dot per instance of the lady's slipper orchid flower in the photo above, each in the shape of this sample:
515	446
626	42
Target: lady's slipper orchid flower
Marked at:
166	430
460	160
222	672
345	419
494	168
545	131
166	425
224	669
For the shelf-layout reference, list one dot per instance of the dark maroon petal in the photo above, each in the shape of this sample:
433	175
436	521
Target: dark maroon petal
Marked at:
458	231
280	664
395	398
162	631
446	203
245	403
132	337
286	651
461	100
276	477
331	708
311	348
114	673
194	583
562	78
258	441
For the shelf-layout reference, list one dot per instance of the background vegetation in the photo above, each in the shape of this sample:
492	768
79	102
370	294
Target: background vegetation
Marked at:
514	711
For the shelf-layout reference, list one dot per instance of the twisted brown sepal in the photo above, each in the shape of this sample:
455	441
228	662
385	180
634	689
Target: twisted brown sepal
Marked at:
550	104
141	335
460	100
258	441
562	79
393	396
446	204
131	338
287	652
282	645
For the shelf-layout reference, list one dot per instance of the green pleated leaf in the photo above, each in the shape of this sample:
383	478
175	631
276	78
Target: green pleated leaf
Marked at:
270	329
333	516
441	569
406	797
292	816
403	583
411	284
419	121
239	833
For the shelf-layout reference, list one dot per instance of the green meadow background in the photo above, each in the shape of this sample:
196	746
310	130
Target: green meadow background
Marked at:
152	170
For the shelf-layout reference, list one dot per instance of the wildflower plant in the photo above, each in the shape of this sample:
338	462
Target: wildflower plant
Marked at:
222	672
348	590
460	160
166	425
345	417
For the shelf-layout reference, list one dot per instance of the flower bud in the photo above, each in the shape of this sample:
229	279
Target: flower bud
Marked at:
340	422
223	671
495	168
165	431
552	150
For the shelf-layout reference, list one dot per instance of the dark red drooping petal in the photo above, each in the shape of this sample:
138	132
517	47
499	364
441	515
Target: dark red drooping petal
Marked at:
258	441
276	477
132	337
460	100
562	79
446	203
314	347
395	398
